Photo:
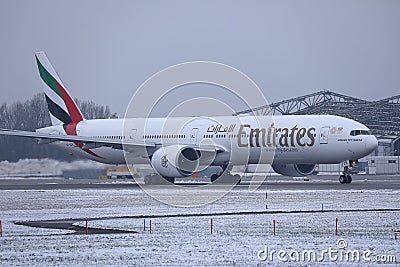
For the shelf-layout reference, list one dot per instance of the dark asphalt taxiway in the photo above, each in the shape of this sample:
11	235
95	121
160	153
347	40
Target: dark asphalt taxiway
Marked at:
320	182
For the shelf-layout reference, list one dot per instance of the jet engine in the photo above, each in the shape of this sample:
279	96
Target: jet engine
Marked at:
294	169
175	161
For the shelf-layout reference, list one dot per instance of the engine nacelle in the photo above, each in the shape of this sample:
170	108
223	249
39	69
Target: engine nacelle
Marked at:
294	170
175	161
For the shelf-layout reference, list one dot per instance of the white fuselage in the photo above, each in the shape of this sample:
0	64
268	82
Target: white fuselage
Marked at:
297	139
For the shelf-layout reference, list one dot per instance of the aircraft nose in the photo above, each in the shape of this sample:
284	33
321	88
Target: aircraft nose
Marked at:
371	143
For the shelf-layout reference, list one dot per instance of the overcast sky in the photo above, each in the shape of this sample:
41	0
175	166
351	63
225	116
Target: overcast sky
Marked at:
104	50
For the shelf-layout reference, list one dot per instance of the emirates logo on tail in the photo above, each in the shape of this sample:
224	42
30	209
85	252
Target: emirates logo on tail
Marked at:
62	107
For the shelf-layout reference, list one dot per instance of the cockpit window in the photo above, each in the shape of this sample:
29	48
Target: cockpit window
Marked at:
359	132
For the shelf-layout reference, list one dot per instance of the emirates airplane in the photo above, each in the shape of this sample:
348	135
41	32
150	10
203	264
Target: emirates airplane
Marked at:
293	144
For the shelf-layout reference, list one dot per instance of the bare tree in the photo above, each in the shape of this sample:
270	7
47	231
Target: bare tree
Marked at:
91	110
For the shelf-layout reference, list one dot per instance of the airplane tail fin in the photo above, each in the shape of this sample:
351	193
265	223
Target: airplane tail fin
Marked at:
62	108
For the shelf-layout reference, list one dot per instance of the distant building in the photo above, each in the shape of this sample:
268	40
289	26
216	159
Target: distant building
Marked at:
381	116
388	145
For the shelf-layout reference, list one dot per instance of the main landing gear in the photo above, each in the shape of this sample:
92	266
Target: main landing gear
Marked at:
155	179
345	178
225	177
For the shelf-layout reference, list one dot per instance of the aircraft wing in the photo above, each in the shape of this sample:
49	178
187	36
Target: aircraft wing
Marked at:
88	142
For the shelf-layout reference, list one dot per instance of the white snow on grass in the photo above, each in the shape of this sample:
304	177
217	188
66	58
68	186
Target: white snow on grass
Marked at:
187	241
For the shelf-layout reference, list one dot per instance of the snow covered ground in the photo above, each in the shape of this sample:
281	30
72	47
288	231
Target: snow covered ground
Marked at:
44	167
236	239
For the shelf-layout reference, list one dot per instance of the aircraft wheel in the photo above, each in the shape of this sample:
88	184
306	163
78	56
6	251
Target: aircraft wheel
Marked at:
348	179
342	179
214	177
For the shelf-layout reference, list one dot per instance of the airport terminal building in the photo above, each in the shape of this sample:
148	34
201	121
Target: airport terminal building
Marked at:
381	116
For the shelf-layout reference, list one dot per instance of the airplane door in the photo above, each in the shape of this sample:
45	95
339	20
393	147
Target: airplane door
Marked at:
132	134
193	136
323	138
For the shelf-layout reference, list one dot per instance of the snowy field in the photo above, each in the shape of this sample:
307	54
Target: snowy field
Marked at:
236	239
26	167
